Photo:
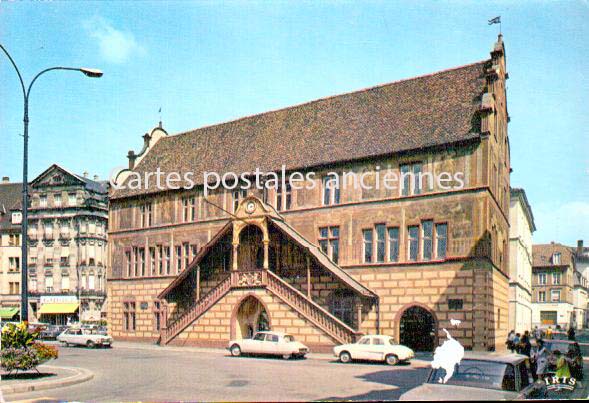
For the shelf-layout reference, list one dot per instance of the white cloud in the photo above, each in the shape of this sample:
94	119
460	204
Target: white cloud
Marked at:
116	46
564	223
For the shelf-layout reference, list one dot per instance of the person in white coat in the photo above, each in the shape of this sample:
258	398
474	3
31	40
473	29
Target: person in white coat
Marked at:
541	359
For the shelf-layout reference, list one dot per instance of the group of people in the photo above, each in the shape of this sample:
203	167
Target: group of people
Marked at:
539	358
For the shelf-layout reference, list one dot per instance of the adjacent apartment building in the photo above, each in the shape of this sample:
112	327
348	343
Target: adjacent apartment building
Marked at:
10	249
553	284
521	228
68	217
325	263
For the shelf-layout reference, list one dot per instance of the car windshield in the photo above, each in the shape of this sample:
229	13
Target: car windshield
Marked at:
478	374
288	338
392	342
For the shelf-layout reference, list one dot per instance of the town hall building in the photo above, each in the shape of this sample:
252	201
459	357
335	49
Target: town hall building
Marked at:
326	263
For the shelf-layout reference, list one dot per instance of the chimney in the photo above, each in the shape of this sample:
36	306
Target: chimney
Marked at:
5	179
579	247
85	174
95	177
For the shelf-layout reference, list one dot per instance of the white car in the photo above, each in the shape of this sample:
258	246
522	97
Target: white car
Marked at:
374	348
270	343
84	337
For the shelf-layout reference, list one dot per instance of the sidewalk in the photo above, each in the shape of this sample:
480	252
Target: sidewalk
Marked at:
50	377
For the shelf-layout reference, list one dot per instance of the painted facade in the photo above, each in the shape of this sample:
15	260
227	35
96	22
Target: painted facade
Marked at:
324	265
68	218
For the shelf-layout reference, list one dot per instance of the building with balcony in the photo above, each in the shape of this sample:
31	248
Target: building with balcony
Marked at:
324	261
10	248
68	217
521	228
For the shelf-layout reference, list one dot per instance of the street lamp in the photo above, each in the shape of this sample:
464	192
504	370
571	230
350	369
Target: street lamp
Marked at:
24	303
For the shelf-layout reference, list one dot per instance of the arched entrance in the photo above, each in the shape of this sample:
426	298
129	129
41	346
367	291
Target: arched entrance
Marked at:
417	329
251	248
250	317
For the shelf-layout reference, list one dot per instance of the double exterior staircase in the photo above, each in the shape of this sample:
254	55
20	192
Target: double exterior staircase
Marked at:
298	301
194	312
311	311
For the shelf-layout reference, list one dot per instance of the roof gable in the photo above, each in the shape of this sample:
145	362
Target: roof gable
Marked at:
56	175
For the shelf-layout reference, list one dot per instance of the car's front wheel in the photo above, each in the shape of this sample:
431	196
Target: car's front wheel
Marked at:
391	359
90	344
235	350
345	357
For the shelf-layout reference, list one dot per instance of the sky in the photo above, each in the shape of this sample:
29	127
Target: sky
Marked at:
208	62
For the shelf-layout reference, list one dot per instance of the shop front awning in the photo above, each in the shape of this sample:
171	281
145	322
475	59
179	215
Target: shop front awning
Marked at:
58	308
8	313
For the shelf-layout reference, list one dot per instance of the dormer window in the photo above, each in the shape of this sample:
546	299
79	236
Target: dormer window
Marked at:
16	217
556	258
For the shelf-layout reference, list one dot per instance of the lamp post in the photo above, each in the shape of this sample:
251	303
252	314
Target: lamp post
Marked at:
24	303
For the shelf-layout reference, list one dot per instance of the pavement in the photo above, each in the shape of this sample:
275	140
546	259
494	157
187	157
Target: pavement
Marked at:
141	372
145	372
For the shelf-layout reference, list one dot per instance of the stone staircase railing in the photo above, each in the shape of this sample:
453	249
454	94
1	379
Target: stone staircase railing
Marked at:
199	308
312	311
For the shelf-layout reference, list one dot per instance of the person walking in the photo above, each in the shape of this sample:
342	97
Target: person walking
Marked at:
549	333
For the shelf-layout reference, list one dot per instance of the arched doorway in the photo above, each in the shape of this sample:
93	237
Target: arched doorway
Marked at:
251	248
417	329
250	317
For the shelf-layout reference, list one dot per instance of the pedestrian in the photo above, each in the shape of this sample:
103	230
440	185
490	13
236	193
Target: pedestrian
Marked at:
537	333
509	341
525	345
541	359
562	365
549	333
571	333
516	341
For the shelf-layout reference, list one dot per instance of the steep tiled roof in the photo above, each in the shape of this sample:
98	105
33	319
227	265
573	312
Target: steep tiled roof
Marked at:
542	255
431	110
10	199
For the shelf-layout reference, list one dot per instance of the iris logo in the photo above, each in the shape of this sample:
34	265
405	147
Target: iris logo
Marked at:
560	383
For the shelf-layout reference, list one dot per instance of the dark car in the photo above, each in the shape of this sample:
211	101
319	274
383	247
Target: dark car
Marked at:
571	350
482	376
51	332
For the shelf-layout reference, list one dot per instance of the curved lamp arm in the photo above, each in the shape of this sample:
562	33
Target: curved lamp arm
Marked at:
22	83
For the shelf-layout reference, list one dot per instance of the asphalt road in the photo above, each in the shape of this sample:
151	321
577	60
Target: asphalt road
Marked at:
157	374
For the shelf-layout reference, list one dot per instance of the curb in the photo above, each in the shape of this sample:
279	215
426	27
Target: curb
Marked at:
82	375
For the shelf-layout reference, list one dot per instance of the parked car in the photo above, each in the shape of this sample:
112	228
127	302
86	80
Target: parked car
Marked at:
51	332
483	376
571	350
269	343
84	337
374	348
